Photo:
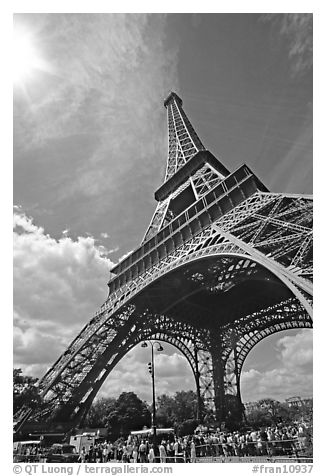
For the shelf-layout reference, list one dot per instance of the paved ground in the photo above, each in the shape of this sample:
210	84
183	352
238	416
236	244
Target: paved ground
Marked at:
253	459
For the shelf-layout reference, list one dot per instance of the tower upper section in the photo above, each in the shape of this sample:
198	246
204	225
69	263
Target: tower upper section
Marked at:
196	183
191	169
184	143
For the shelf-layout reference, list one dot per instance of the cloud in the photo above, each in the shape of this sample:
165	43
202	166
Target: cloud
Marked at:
293	375
172	371
297	31
58	286
296	352
109	75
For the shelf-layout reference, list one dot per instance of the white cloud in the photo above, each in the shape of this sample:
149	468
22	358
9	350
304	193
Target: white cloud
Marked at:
297	30
58	286
109	75
293	375
172	374
296	352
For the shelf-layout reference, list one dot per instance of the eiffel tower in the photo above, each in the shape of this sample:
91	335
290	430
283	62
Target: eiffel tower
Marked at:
223	264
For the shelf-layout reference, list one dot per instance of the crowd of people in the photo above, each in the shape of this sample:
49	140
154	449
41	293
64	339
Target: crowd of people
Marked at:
272	441
279	440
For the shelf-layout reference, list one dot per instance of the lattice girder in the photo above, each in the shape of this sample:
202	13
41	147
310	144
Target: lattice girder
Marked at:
244	334
225	270
222	246
215	237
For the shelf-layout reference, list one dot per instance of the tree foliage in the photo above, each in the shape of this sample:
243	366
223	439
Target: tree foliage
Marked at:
271	412
97	416
119	416
176	409
25	393
128	412
186	428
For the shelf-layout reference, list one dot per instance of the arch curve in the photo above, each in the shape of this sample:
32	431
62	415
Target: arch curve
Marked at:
237	356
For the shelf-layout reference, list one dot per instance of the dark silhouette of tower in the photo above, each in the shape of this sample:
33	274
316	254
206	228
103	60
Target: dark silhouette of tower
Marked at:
223	264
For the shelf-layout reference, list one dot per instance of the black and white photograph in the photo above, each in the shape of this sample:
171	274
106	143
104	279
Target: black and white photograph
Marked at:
162	239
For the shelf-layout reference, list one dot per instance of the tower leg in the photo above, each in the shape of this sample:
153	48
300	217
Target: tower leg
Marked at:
240	407
218	377
199	397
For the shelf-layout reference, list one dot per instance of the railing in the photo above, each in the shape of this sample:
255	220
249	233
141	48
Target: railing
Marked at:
275	451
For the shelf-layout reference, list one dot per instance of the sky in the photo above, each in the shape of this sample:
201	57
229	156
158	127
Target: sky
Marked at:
90	148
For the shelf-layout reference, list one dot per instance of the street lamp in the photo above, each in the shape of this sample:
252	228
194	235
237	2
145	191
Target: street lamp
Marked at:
152	372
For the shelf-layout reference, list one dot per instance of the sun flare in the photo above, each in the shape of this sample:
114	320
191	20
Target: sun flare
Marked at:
26	59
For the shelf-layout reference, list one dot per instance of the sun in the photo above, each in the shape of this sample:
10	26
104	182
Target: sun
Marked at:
26	58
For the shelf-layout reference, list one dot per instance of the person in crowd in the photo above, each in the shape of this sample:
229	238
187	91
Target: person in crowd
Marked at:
176	450
243	445
151	455
98	454
259	446
162	452
125	455
104	453
134	452
91	454
192	451
142	452
170	451
275	440
82	455
186	446
129	448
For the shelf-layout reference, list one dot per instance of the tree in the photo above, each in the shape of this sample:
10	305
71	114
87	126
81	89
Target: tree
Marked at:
186	428
176	409
119	416
129	413
166	410
186	405
25	392
269	412
302	412
97	416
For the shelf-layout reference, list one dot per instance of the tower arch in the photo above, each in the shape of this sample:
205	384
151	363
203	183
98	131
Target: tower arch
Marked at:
223	262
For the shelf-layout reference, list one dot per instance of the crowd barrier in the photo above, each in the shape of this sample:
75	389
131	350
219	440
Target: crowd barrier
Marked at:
289	450
281	451
254	459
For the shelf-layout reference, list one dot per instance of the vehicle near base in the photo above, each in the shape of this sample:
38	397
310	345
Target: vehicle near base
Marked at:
26	451
62	453
85	440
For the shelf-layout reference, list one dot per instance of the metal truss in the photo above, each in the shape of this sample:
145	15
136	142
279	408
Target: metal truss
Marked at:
204	180
243	335
184	143
230	267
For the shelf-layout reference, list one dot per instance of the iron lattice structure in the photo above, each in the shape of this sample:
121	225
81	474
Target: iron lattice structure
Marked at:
223	264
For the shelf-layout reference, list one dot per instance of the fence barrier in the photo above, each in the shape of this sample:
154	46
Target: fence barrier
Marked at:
274	451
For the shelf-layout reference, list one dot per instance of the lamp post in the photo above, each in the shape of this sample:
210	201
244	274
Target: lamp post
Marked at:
151	369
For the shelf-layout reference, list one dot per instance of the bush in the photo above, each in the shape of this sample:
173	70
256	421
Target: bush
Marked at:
186	428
